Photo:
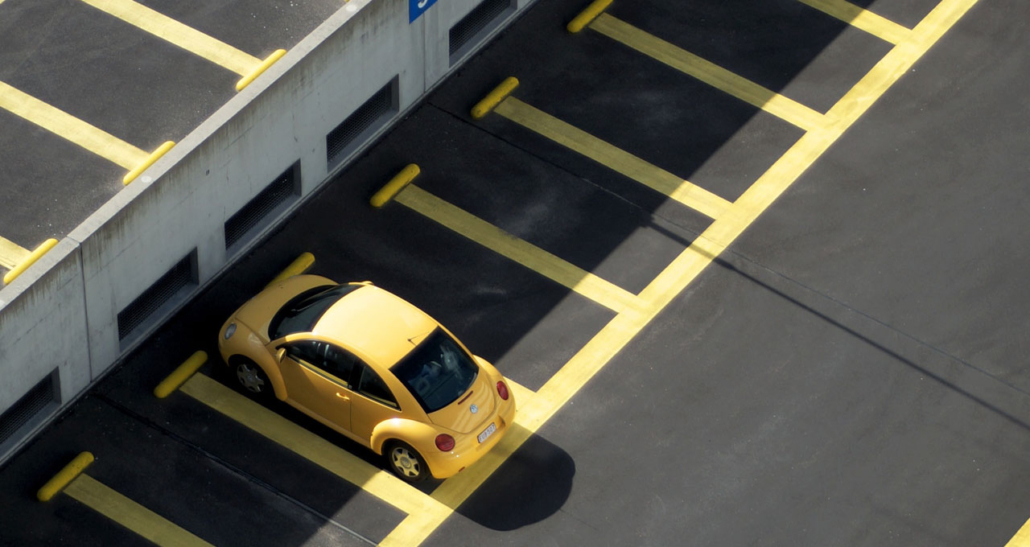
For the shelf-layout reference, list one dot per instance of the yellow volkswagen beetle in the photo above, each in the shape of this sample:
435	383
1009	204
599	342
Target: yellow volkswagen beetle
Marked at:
373	367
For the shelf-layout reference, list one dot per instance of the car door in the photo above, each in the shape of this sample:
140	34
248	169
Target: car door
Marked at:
315	374
372	403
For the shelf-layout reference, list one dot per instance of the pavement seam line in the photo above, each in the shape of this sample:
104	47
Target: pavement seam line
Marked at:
708	72
694	260
862	19
612	157
867	317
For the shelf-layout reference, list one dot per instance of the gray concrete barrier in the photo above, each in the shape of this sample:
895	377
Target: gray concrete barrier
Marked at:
141	256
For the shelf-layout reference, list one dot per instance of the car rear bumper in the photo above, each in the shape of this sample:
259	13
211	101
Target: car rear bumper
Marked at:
468	449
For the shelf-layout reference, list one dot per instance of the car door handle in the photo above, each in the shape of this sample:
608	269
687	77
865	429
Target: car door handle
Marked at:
342	396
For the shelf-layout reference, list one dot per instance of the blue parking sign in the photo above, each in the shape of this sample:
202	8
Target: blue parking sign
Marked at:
417	8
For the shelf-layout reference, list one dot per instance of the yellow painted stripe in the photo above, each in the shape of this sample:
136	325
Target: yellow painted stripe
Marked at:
614	158
306	444
556	393
708	72
527	254
71	128
11	253
135	517
1022	537
860	18
186	37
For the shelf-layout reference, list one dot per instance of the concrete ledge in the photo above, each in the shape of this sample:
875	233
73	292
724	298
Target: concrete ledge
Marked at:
65	309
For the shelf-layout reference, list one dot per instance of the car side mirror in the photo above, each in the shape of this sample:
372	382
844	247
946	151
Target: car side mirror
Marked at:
280	354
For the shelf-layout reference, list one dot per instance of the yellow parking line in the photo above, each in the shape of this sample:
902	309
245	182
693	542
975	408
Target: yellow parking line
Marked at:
708	72
306	444
860	18
185	37
130	514
1022	537
71	128
86	490
554	395
11	254
527	254
612	157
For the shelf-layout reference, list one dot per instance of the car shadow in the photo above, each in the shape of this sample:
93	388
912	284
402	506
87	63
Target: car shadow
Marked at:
530	486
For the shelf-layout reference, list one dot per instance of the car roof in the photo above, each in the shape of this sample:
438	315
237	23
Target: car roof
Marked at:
376	323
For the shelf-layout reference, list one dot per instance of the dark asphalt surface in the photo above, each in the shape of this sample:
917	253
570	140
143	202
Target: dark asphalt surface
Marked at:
849	373
121	79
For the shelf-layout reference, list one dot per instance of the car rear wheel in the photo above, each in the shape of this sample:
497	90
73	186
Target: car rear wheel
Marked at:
406	462
253	379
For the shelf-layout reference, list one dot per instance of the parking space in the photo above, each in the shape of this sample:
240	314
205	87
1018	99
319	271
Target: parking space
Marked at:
688	369
93	91
162	489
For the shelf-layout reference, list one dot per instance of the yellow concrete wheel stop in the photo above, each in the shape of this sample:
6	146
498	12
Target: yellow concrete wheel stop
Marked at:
587	16
64	477
495	97
394	187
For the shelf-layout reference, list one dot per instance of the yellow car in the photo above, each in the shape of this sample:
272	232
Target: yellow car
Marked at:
373	367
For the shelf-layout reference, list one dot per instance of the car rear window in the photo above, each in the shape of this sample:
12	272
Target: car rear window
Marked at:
304	310
437	372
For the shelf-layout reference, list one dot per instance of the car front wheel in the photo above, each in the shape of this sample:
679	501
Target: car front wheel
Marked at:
406	462
253	379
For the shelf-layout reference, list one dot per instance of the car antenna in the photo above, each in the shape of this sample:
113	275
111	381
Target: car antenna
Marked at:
410	340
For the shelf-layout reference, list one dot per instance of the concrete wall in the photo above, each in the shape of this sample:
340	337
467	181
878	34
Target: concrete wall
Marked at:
62	313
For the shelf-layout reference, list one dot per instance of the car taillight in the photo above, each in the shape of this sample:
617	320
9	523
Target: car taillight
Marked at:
502	390
445	442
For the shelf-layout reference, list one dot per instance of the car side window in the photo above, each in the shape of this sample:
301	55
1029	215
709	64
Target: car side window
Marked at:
339	363
311	352
373	387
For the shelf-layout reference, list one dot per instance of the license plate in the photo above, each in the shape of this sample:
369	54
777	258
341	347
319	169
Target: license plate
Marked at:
486	434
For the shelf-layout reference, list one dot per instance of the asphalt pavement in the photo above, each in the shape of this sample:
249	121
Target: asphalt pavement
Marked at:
847	371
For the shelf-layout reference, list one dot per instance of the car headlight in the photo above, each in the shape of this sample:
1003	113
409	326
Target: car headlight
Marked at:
230	330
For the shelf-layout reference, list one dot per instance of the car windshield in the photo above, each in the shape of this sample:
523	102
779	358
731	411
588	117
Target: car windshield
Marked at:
437	372
304	310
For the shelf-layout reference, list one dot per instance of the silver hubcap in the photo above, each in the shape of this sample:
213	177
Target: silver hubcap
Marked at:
405	462
249	378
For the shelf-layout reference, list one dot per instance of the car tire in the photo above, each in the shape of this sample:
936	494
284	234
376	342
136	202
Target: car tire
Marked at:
406	462
252	379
